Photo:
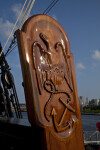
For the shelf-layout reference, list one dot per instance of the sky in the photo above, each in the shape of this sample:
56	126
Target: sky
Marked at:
81	21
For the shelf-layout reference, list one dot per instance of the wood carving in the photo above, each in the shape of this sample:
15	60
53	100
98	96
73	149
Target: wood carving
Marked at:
50	110
49	83
50	74
49	64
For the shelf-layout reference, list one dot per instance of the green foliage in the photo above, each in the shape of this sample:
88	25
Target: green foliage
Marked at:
91	109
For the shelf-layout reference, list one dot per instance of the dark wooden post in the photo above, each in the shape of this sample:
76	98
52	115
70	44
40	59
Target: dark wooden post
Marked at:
50	84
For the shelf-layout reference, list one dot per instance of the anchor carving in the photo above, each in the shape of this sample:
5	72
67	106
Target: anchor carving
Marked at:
57	126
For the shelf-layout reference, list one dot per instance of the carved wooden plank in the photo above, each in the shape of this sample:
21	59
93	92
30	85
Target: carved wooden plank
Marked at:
50	83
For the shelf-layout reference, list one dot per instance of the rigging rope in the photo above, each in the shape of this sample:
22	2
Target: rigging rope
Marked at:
8	52
47	10
23	18
29	10
26	13
13	28
13	94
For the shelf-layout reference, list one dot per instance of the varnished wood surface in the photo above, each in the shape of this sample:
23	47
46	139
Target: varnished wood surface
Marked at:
50	83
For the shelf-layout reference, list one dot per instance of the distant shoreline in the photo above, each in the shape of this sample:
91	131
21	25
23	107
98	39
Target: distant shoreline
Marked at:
90	114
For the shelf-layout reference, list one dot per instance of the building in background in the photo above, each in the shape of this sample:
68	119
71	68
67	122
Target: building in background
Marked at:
87	101
95	102
81	100
88	104
99	102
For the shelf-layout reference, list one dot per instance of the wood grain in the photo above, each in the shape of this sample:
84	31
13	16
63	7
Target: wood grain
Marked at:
50	83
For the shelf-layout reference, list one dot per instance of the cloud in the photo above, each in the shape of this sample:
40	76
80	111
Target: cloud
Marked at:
5	25
17	66
5	28
54	16
16	9
81	66
94	65
96	55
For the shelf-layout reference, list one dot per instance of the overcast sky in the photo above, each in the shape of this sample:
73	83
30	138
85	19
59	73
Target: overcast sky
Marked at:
81	21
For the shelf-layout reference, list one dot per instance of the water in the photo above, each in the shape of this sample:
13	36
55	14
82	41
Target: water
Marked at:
88	121
24	114
89	127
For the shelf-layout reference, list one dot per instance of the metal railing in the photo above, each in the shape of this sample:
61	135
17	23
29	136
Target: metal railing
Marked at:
91	137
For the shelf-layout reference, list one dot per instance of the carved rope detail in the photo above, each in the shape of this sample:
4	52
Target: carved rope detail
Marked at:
50	88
